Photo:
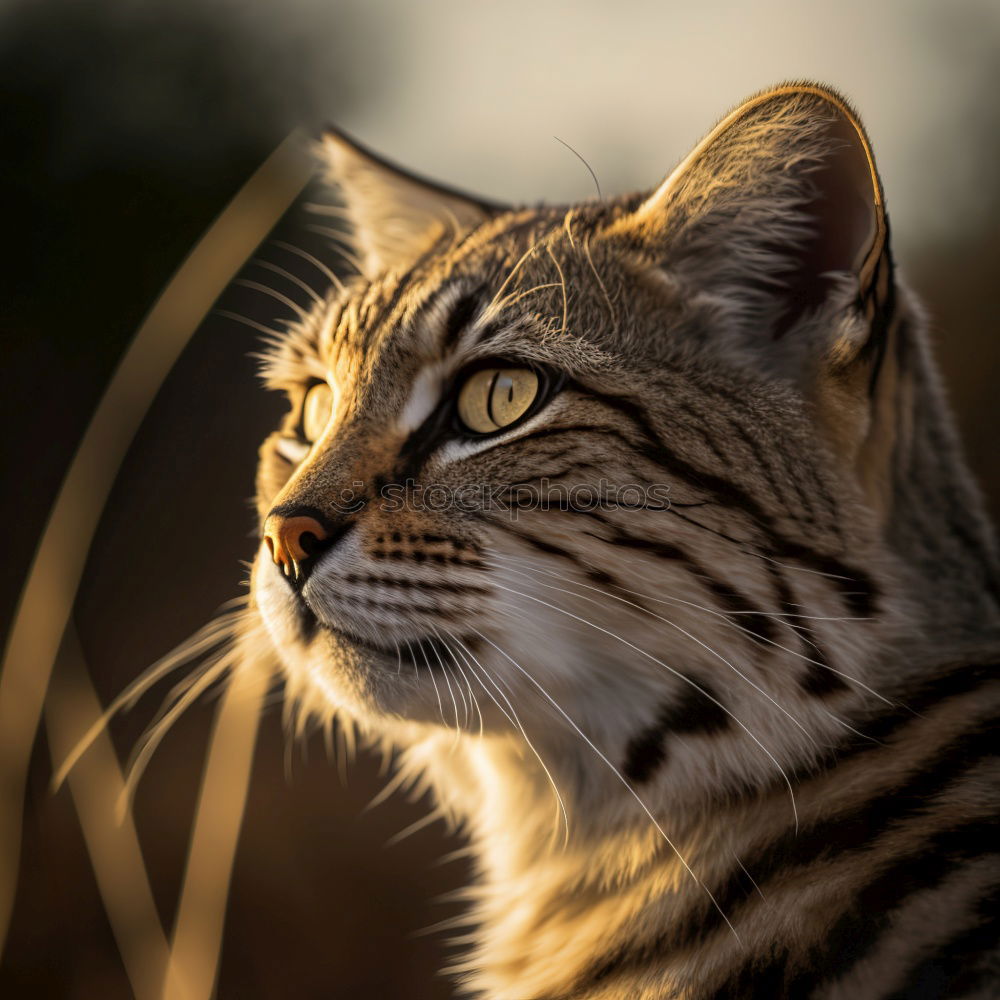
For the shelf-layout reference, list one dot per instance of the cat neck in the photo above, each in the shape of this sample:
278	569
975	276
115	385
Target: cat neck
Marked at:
679	872
547	888
934	517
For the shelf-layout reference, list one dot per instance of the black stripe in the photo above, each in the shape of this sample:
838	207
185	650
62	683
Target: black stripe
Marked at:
545	432
782	974
855	936
954	682
385	311
841	834
692	712
837	836
751	619
730	599
878	340
819	679
952	970
694	424
657	453
459	318
856	586
771	463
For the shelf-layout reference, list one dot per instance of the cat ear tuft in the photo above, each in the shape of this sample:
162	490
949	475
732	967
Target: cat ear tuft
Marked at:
779	213
395	215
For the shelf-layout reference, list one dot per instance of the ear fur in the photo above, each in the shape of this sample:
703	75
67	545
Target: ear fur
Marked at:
395	215
778	214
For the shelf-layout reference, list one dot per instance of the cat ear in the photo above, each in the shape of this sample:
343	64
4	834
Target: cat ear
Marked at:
778	216
395	215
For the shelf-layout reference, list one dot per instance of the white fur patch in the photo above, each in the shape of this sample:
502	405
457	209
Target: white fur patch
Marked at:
291	449
424	397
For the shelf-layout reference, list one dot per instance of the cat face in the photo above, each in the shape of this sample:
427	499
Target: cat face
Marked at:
591	467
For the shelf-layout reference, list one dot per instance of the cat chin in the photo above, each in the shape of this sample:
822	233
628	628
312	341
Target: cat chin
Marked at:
329	672
328	669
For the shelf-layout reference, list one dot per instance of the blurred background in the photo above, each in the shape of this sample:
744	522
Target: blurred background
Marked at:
128	124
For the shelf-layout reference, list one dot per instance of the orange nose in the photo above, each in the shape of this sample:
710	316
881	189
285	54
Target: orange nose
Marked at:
292	540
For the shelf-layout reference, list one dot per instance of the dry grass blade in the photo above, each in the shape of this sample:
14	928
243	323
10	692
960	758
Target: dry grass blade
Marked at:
52	582
113	846
197	938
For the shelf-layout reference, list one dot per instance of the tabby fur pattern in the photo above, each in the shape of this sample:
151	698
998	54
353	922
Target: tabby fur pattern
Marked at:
735	745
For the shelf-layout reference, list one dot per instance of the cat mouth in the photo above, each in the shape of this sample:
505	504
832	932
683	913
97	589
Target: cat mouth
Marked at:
428	651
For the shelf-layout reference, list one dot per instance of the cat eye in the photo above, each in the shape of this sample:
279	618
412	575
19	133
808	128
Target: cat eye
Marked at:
493	398
316	410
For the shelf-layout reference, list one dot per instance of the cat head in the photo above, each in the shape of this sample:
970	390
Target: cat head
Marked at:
616	468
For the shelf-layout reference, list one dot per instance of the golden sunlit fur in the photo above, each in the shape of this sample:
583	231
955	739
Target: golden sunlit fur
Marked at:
700	720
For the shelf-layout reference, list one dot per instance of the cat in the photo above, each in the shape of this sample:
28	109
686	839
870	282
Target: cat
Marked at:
639	530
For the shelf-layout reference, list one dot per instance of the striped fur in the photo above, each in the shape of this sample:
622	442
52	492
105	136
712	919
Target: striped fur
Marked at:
738	744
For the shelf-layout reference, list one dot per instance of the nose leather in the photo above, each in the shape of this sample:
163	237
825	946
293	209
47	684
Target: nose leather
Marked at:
292	541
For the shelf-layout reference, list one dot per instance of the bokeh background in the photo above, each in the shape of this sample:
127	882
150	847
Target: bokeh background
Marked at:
126	127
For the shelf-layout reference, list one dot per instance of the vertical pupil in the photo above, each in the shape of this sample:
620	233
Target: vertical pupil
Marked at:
505	382
494	398
489	398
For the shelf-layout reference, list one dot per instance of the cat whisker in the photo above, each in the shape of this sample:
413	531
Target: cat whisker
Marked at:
516	297
777	616
680	857
274	337
315	261
288	276
805	569
492	308
413	661
743	547
465	657
222	629
590	170
466	709
848	726
749	876
562	282
683	631
447	670
277	296
156	732
676	673
430	673
447	679
465	677
597	277
458	666
725	616
466	652
339	240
